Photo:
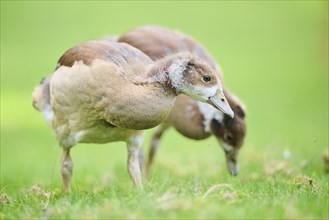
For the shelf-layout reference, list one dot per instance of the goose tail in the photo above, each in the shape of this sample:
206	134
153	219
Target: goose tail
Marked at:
41	99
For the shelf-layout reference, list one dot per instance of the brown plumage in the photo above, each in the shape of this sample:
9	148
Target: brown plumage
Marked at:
191	118
108	91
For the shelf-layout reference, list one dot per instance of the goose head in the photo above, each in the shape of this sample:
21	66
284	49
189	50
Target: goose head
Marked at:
230	132
191	76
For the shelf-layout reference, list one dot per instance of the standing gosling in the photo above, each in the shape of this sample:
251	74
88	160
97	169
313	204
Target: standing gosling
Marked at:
191	118
107	91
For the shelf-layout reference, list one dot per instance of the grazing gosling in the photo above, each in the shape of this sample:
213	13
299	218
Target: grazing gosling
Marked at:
108	91
191	118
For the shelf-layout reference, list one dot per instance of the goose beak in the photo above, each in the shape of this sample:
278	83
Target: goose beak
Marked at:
232	166
231	156
219	101
232	162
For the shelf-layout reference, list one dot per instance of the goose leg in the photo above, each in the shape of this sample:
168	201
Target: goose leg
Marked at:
134	145
141	159
66	168
154	146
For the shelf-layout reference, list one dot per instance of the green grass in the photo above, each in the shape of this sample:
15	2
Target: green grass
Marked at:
275	58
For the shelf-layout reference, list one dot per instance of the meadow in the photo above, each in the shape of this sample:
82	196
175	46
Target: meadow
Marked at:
274	55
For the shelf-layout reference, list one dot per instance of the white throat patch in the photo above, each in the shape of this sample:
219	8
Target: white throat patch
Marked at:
209	113
201	93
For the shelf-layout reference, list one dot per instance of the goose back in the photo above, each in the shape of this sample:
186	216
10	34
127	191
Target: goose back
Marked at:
131	59
158	42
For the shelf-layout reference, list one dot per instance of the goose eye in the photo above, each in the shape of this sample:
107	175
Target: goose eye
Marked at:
228	137
206	78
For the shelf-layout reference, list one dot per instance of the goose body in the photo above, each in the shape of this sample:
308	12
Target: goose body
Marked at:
191	118
108	91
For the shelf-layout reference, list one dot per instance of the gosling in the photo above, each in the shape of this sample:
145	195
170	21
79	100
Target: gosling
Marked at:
103	92
192	118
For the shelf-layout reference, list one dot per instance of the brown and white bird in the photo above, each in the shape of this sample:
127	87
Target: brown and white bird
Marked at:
191	118
108	91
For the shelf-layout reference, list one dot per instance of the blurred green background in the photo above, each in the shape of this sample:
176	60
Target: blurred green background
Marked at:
274	55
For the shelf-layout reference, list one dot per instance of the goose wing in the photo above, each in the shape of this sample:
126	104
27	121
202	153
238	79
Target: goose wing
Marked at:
104	50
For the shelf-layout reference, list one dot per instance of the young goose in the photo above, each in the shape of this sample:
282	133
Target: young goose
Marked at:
191	118
107	91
